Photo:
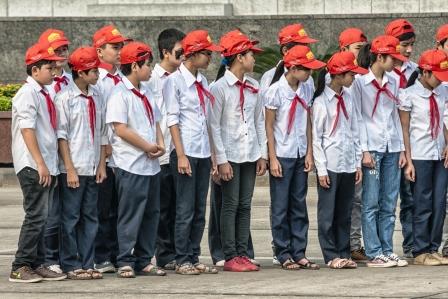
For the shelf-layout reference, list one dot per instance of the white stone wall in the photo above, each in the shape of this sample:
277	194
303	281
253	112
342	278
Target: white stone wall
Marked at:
17	8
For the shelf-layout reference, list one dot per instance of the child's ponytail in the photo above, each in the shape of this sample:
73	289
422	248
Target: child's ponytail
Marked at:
221	71
365	57
320	83
279	71
413	77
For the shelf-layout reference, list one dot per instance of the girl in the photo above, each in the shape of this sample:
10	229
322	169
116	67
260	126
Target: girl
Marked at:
337	154
288	129
239	137
382	145
426	153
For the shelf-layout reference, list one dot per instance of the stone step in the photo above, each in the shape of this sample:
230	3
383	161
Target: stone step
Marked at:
151	2
160	10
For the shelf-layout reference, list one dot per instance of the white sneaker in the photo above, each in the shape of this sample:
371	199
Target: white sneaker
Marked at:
255	262
381	261
220	263
55	268
396	258
275	261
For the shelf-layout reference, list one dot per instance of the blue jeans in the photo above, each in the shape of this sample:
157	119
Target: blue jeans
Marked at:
406	204
379	199
429	190
289	211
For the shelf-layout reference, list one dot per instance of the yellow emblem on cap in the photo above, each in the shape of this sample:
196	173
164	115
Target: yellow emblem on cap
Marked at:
50	51
115	32
398	48
302	32
209	38
444	64
54	36
310	55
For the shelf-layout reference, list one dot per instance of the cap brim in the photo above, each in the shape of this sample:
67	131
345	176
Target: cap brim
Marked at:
214	48
314	65
59	43
305	40
55	58
256	50
442	76
118	39
399	57
360	70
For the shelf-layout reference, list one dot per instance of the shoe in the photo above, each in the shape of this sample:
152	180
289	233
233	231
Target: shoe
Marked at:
171	266
25	274
426	259
408	254
105	267
275	261
49	275
396	258
247	261
443	260
55	268
445	251
359	255
220	263
236	265
187	269
255	262
381	261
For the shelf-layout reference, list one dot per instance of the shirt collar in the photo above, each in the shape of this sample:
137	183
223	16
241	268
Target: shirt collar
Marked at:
78	92
159	70
422	91
369	77
33	83
329	93
130	86
188	76
103	72
286	89
231	78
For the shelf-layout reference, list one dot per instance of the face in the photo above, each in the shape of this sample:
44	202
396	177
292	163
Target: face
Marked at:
62	51
354	48
201	59
386	62
144	72
90	76
176	56
443	47
430	79
44	75
248	61
110	53
300	73
346	79
406	47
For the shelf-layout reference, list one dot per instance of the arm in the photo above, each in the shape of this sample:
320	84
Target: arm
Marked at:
160	143
29	136
261	136
131	137
309	163
405	120
319	122
274	164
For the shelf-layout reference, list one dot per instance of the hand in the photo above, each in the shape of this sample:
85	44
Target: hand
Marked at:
409	172
160	152
324	181
215	174
44	175
275	168
72	178
445	156
402	161
101	174
108	150
152	148
261	166
367	160
225	171
183	165
358	176
309	163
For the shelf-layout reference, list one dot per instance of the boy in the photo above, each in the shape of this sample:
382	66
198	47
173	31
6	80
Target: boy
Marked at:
108	42
171	55
35	157
82	141
137	142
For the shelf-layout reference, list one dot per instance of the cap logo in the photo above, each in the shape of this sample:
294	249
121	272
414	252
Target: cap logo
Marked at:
309	55
209	39
115	32
444	64
90	64
54	36
398	48
302	32
50	51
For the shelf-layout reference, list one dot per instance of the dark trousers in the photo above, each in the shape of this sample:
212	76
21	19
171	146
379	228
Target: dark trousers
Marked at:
53	228
138	217
31	246
429	191
191	198
79	223
289	211
334	210
235	212
406	203
165	250
106	244
214	226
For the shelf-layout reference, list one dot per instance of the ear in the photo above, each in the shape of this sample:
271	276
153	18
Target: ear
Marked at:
34	69
99	52
284	49
134	67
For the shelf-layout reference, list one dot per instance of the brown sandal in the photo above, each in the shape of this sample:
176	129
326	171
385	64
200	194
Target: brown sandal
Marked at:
337	263
95	274
152	270
289	265
79	274
351	264
187	269
309	265
204	269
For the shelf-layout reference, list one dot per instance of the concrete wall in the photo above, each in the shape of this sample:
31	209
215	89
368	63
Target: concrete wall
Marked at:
18	34
13	8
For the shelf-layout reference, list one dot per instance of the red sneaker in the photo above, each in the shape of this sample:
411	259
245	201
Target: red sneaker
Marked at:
236	265
251	266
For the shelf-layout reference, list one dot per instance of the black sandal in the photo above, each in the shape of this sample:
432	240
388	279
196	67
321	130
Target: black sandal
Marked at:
290	265
309	265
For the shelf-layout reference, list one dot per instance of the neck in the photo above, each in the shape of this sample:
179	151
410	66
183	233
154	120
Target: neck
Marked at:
82	85
113	67
238	71
58	71
398	64
189	65
292	82
425	84
336	87
167	66
134	81
377	71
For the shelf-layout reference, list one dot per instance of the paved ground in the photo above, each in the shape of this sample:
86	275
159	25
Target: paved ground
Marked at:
270	282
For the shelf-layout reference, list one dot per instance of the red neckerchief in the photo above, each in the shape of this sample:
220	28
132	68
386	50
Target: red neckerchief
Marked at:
92	114
201	91
60	80
403	80
379	91
242	86
292	111
146	104
50	107
434	116
340	105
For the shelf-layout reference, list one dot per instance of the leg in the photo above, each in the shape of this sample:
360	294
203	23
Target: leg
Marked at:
214	223
440	180
53	229
355	229
406	203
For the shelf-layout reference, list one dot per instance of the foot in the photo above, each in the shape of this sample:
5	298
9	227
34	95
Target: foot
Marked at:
105	267
220	263
251	266
171	266
25	274
408	254
443	260
359	254
79	274
187	269
337	263
236	265
381	261
49	275
426	259
152	270
275	261
307	264
95	274
396	258
126	272
289	264
55	268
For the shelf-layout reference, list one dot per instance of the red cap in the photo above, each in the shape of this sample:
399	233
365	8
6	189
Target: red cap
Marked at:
54	37
294	33
350	36
435	61
442	33
198	40
396	28
108	35
135	51
84	58
342	62
302	55
387	44
40	51
235	42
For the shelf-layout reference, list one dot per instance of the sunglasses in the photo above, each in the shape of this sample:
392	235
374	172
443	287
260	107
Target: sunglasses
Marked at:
178	53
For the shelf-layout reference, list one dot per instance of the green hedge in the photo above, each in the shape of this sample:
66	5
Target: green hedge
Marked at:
7	92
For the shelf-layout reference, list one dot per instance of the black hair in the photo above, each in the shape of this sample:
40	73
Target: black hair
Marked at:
280	69
365	57
126	69
321	83
75	74
227	62
442	42
37	64
406	36
414	77
167	40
